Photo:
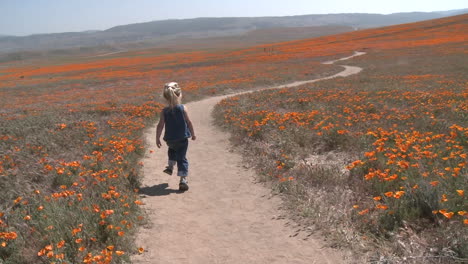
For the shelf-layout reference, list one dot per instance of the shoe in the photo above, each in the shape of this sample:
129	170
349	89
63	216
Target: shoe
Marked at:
183	186
168	170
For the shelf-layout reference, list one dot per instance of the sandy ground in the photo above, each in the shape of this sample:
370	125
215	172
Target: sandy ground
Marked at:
225	217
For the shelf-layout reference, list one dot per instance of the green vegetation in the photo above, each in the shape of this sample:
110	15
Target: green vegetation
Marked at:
394	200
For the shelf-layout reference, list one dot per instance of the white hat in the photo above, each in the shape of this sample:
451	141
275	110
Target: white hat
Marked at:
172	84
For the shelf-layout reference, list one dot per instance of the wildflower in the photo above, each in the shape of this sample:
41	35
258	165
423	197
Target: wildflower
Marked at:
61	244
9	236
391	178
448	214
444	198
50	254
388	194
381	206
403	164
17	200
461	193
398	194
109	212
434	183
354	164
363	212
370	175
75	231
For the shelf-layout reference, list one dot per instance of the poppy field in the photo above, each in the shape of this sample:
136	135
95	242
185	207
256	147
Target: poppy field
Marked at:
71	142
379	156
71	135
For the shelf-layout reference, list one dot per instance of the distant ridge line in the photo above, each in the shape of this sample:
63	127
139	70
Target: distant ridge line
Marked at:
155	32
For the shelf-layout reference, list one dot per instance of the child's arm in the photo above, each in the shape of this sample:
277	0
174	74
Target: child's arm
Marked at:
159	129
189	123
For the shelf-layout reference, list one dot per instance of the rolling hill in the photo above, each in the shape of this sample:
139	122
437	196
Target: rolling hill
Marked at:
158	32
70	141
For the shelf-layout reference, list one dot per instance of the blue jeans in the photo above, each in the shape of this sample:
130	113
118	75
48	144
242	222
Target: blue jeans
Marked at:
177	154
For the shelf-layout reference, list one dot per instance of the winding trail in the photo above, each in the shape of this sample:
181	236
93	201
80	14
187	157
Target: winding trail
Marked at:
225	217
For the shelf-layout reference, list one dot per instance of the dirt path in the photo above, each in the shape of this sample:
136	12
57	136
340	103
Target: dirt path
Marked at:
225	217
106	54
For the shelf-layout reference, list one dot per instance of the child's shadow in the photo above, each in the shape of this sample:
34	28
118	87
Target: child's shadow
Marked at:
158	190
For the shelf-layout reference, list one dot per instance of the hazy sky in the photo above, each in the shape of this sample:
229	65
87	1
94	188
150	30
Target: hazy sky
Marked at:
24	17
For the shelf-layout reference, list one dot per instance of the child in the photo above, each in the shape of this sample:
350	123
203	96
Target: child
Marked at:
178	129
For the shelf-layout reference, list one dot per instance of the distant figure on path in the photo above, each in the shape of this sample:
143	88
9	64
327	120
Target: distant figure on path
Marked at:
178	130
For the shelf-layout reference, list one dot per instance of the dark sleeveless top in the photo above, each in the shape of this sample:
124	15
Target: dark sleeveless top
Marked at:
176	126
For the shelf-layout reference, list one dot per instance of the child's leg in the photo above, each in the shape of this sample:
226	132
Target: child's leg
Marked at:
182	162
172	160
182	169
172	155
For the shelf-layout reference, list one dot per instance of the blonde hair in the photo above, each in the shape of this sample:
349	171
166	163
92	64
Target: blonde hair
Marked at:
172	93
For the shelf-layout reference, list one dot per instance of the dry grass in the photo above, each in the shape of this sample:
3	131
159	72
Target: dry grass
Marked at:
70	137
70	143
303	138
